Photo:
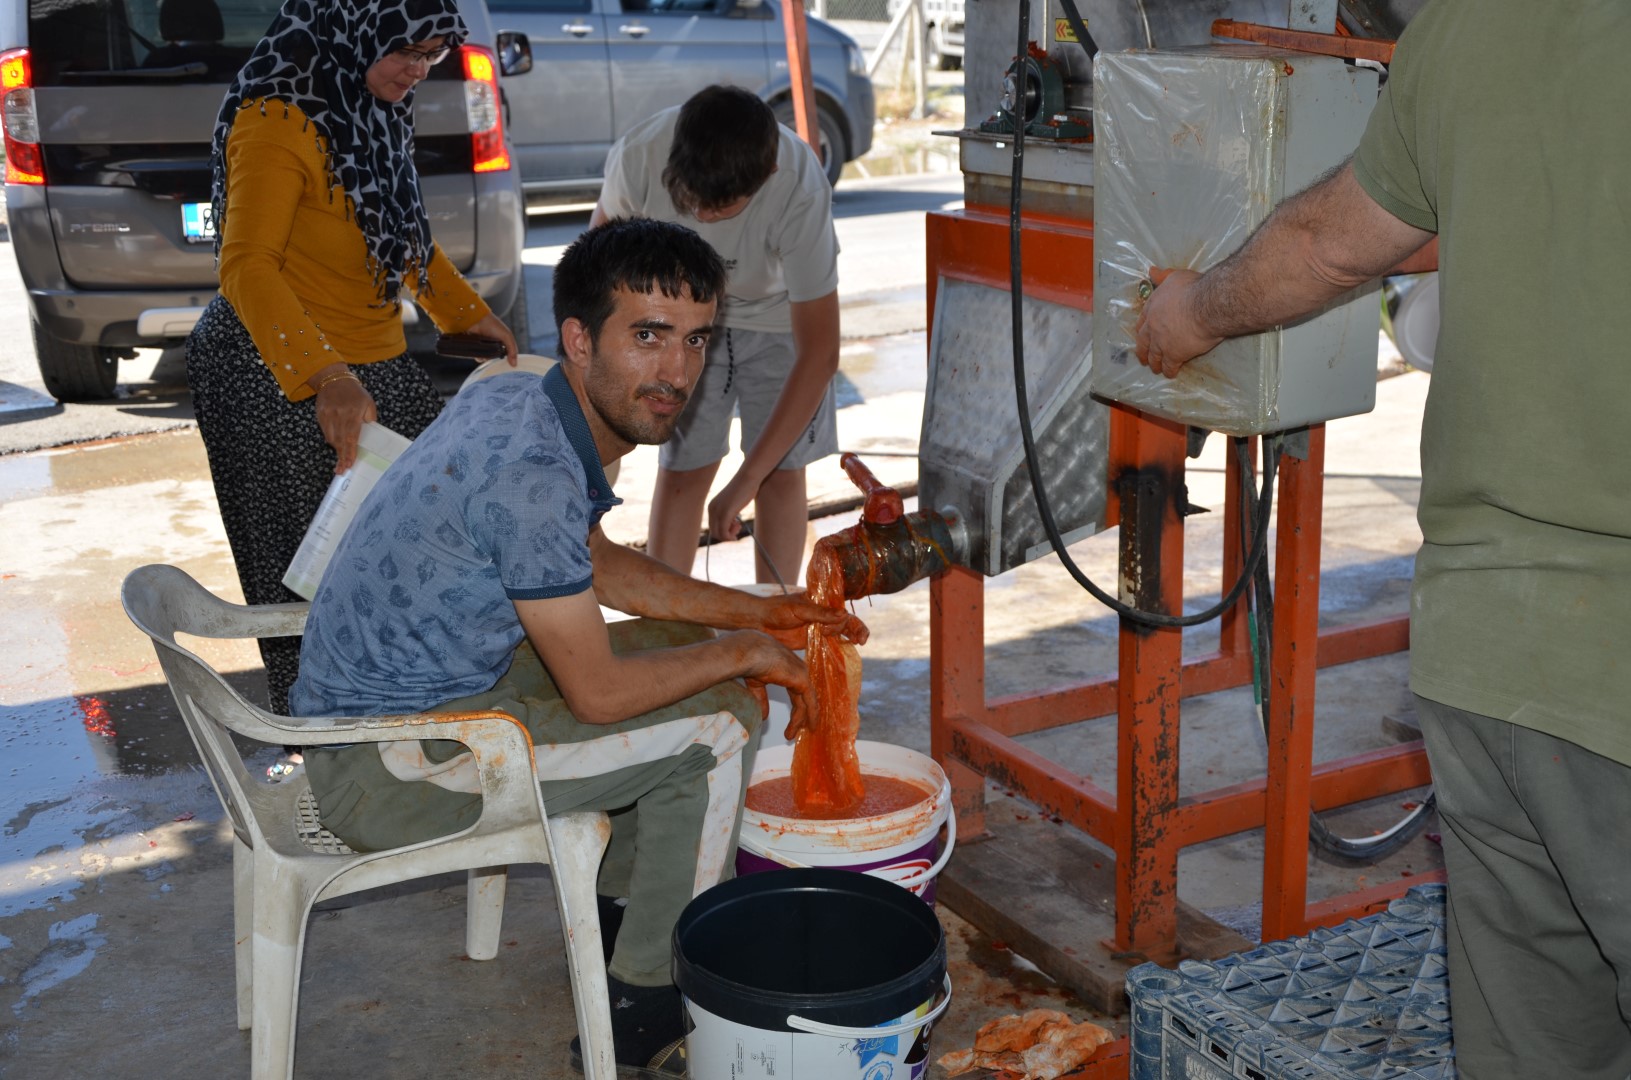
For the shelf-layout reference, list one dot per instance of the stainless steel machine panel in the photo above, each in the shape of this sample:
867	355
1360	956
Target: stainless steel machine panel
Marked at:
1194	148
971	457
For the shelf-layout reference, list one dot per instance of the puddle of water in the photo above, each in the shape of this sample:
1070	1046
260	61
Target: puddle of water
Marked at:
913	161
49	850
23	476
83	695
881	366
73	945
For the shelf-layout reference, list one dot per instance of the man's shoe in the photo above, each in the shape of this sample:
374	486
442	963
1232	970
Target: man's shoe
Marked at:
667	1064
648	1030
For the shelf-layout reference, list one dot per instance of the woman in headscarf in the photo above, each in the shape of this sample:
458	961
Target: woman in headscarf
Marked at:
319	227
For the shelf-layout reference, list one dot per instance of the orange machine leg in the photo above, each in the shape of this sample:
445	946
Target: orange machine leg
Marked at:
1146	823
1148	472
1292	667
957	684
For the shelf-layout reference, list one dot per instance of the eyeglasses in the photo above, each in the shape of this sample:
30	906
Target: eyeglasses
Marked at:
429	57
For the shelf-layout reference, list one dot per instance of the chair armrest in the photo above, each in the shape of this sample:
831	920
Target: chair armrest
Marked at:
197	687
499	743
229	620
276	620
324	730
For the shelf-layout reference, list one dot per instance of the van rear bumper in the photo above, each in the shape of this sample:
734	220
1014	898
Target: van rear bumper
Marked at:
129	319
111	319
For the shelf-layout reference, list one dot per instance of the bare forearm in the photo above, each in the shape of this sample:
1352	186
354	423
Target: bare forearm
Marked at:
630	581
637	584
639	682
1319	244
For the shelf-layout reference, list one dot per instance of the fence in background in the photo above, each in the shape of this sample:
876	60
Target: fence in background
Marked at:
902	39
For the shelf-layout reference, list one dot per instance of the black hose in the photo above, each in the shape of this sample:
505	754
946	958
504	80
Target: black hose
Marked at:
1256	510
1079	28
1032	459
1260	608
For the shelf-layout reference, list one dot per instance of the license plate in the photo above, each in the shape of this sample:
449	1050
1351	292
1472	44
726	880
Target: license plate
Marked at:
198	223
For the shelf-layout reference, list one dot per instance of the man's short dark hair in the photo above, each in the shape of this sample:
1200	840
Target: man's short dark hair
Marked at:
724	149
637	254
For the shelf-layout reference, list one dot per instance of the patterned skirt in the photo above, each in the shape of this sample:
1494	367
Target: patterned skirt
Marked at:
270	463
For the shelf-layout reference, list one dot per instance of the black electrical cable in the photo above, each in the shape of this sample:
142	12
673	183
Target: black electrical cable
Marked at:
1256	510
1260	606
1032	459
1079	28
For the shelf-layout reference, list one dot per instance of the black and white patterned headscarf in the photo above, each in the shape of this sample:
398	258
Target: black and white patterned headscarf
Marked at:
316	57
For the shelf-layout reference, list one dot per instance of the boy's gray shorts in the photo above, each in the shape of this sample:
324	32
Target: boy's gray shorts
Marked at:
745	373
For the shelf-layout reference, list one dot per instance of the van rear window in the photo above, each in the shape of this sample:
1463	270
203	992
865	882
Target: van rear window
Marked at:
90	42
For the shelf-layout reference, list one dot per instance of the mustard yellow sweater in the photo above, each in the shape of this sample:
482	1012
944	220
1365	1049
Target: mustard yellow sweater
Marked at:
295	269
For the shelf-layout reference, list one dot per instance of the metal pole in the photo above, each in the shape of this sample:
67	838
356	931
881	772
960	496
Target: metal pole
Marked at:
920	69
798	73
891	32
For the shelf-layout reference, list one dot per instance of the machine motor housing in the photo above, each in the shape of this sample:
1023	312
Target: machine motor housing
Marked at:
1194	149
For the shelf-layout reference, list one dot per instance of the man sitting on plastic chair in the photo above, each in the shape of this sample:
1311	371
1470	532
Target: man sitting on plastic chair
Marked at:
472	578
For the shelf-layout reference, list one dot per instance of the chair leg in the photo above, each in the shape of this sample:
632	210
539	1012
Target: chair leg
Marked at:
281	906
486	911
578	841
243	927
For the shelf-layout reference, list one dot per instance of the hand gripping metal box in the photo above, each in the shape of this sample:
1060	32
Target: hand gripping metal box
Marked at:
1193	150
1368	999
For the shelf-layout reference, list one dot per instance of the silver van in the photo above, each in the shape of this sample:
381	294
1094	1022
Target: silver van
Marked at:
108	109
581	73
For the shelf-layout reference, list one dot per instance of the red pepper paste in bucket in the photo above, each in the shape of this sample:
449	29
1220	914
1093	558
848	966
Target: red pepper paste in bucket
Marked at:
883	795
902	831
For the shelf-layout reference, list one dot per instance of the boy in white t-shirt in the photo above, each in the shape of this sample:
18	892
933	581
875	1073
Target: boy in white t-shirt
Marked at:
721	165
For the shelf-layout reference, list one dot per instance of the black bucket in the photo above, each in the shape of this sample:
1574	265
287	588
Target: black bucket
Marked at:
836	970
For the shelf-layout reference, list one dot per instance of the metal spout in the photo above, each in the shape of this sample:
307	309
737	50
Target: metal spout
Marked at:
874	559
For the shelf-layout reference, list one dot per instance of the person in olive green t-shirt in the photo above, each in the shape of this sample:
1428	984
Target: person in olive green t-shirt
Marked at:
1502	130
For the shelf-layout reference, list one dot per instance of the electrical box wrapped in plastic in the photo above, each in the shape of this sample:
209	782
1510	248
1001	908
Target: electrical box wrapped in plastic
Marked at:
1193	149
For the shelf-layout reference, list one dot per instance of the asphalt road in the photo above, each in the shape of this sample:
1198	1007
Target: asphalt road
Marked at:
881	274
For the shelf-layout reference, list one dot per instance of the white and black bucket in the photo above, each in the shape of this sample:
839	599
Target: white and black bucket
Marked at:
904	846
811	974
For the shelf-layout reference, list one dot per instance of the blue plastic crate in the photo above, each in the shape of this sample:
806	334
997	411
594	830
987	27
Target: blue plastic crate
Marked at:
1367	1000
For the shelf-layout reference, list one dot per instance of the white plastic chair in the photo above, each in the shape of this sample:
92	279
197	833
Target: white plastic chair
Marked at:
284	861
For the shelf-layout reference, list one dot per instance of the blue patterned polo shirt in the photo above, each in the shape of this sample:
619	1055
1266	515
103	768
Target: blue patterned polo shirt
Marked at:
492	503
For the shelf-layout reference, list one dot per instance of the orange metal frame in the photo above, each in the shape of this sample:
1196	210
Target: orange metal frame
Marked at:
973	738
1147	822
1339	44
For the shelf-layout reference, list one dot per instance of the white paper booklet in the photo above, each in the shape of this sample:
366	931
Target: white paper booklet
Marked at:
377	447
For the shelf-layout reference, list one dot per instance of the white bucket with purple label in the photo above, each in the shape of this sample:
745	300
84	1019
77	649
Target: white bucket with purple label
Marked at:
903	846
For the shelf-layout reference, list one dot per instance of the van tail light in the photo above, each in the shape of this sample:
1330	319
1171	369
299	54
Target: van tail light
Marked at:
25	164
482	106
